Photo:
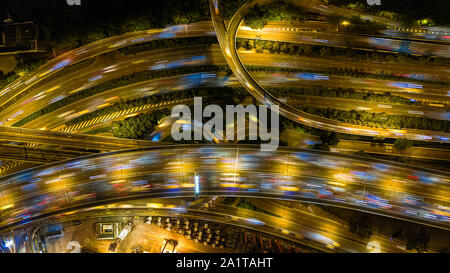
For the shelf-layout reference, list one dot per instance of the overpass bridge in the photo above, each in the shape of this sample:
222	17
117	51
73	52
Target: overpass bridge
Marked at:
227	41
373	186
41	147
88	142
36	155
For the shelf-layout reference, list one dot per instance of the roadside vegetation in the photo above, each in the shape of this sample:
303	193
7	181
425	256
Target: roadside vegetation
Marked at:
167	43
23	67
380	120
346	71
412	12
319	51
149	75
355	24
361	227
329	138
403	144
119	82
345	93
95	20
229	8
138	127
210	92
239	92
245	204
377	120
259	16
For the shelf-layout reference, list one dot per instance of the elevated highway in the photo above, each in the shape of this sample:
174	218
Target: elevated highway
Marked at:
88	142
36	155
227	41
373	186
37	91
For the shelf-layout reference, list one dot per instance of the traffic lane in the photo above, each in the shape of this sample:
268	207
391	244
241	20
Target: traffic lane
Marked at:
62	115
340	183
97	48
9	134
333	229
194	34
388	85
337	172
388	149
284	60
368	106
331	235
227	43
307	229
391	224
128	65
118	42
96	76
56	119
344	40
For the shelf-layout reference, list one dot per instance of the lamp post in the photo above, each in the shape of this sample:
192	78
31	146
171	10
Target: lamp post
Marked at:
197	184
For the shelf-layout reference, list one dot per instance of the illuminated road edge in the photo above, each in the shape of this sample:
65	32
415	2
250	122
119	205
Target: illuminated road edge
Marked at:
373	186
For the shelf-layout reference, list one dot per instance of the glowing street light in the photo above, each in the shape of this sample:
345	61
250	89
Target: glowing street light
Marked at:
345	23
197	185
9	243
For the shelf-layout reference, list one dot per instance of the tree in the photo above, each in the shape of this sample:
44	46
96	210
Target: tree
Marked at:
401	159
324	51
402	144
418	240
362	227
322	147
330	138
379	139
361	153
399	234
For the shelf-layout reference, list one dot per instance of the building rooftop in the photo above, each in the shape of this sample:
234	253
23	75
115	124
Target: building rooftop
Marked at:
19	36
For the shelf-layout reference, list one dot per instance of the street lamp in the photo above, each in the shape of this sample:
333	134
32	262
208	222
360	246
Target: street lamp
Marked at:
197	184
343	23
170	242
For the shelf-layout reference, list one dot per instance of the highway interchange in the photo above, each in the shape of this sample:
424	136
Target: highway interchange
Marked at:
227	41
